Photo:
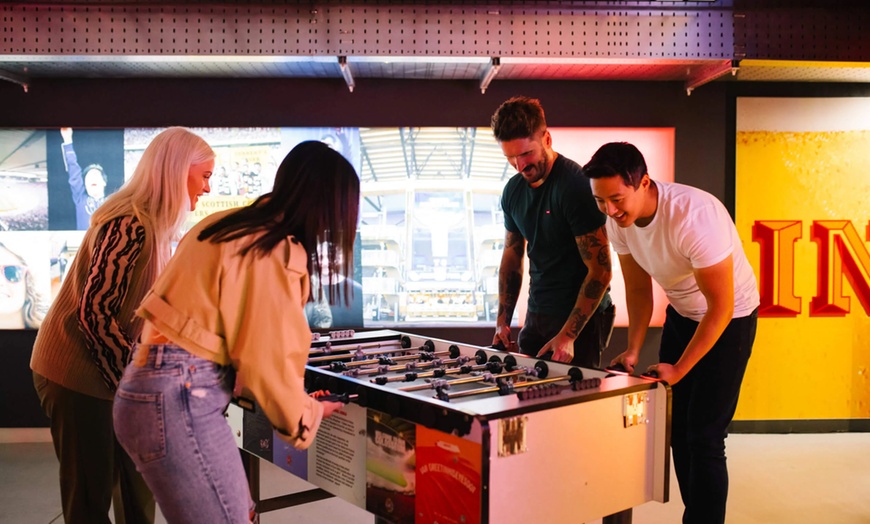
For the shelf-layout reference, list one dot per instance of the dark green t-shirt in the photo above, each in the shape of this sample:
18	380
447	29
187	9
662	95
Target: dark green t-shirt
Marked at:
549	217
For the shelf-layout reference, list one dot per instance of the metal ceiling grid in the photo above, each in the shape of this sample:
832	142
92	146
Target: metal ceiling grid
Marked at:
170	66
195	30
693	42
664	70
402	67
831	34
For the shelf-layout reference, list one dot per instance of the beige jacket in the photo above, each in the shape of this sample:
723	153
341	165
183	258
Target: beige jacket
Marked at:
247	311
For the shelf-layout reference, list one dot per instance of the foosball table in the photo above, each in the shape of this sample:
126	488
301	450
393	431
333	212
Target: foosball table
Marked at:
439	431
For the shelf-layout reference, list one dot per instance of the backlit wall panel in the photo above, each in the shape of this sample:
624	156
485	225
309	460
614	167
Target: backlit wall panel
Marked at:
803	212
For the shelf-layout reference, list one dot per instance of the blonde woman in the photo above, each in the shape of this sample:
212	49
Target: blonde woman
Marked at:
85	341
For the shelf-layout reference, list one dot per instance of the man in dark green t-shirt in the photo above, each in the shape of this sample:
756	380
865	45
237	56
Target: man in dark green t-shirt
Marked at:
548	205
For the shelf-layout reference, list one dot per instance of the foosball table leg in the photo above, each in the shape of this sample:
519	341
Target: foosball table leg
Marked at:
251	463
623	517
252	472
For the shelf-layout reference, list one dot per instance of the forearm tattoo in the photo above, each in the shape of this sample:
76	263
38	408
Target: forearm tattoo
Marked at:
575	323
509	282
604	257
509	293
592	247
514	242
594	289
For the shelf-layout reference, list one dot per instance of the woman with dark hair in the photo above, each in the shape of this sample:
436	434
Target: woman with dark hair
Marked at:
230	306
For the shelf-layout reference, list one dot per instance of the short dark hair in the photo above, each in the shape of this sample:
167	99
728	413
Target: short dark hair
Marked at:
617	159
518	117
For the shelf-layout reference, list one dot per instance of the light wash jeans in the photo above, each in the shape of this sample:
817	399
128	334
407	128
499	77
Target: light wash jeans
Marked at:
169	417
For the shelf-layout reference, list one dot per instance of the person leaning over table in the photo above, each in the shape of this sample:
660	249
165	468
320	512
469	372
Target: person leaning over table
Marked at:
684	239
548	207
230	305
86	339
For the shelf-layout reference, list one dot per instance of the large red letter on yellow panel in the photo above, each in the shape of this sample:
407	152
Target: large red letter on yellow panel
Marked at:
841	254
776	239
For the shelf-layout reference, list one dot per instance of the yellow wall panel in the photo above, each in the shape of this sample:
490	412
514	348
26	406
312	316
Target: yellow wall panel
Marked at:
805	366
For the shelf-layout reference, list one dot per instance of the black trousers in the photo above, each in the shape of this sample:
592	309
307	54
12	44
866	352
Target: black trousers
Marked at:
95	472
593	339
703	404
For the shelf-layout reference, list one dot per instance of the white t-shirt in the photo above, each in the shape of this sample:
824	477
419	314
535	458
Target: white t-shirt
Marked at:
691	229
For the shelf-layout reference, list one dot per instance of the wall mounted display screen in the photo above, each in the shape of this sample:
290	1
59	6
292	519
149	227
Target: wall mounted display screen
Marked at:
431	228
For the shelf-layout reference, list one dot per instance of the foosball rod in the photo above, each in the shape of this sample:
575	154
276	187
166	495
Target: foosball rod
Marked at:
383	369
359	353
486	377
549	390
453	352
574	374
330	347
493	365
411	373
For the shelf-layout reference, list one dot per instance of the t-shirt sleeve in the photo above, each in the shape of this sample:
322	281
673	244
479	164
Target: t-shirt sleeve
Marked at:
705	235
583	214
617	238
509	222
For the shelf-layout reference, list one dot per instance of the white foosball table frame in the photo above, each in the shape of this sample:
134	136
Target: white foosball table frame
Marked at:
579	445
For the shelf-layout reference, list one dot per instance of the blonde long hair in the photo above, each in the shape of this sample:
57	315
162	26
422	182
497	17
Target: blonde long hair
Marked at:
157	192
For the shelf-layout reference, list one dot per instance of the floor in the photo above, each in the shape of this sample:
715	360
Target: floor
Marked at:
797	478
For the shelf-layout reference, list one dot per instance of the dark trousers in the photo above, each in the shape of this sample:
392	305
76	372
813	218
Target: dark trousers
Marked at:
94	468
593	339
703	404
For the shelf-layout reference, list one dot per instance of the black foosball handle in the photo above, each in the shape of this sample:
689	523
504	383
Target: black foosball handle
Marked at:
344	398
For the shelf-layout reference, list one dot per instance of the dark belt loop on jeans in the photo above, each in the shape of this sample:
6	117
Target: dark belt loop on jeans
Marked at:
158	358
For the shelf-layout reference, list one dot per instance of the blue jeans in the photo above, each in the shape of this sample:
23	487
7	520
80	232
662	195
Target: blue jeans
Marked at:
169	417
703	404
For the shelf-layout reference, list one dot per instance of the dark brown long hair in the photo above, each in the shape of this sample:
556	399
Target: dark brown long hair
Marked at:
315	198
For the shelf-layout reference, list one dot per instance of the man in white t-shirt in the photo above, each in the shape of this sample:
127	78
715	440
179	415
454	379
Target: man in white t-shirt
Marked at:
685	239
